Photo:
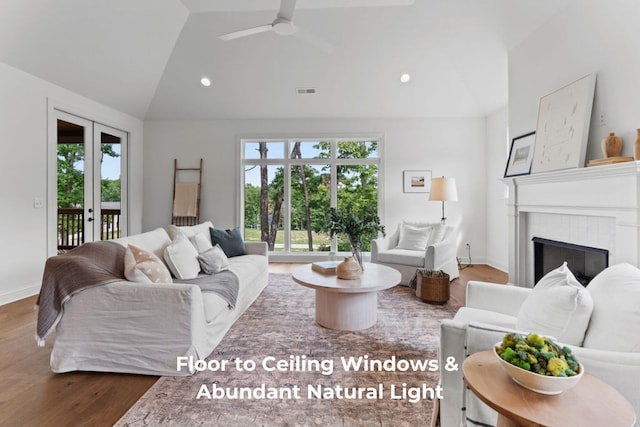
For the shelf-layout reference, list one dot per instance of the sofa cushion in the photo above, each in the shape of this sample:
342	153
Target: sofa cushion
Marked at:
558	306
214	306
213	260
248	268
413	238
402	256
144	267
230	241
182	258
616	310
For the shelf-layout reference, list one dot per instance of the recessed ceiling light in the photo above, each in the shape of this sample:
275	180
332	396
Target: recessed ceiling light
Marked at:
205	81
405	78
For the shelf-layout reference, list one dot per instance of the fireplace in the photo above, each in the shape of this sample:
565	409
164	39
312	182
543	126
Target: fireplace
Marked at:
584	262
596	207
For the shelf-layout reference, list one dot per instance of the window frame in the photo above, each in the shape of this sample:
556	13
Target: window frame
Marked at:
287	162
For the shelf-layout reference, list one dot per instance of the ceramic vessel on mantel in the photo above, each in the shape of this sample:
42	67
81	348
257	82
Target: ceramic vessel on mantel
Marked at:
636	150
612	145
348	269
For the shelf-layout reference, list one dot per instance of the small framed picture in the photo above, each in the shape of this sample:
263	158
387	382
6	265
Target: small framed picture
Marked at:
417	181
520	155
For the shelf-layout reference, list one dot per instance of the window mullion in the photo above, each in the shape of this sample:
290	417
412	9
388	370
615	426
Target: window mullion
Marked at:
286	232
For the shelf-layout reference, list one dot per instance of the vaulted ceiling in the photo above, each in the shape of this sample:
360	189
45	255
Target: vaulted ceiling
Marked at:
146	57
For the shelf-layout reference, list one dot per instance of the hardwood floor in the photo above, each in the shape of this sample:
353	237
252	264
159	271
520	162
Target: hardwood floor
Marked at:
31	395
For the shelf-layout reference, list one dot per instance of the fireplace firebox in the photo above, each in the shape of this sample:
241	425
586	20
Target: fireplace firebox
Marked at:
583	261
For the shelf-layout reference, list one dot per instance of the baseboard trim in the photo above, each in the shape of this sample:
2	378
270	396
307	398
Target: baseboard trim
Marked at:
19	294
498	265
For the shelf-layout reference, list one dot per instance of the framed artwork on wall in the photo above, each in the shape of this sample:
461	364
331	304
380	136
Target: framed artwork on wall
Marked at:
520	155
562	131
418	181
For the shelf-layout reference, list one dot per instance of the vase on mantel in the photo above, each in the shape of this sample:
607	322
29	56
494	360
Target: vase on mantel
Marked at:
611	145
636	149
348	269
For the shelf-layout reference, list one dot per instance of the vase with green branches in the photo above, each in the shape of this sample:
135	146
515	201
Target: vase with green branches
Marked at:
356	226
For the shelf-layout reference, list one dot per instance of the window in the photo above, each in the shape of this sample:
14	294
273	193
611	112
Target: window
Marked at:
290	184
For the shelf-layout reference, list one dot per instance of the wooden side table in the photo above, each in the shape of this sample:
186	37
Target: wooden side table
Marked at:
591	403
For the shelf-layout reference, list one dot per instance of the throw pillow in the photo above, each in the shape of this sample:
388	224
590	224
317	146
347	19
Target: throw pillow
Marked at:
213	260
188	230
616	293
144	267
558	306
182	258
413	238
201	242
229	240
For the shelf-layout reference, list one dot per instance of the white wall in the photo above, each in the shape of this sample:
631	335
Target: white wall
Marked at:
23	173
588	36
497	153
451	147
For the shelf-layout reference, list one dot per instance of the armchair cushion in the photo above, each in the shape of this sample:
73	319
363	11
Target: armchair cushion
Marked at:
616	292
402	256
413	238
558	306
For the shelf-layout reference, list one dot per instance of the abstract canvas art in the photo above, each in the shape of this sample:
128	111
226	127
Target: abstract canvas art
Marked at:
563	126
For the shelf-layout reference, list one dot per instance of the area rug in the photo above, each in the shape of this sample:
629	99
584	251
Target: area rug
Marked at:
306	375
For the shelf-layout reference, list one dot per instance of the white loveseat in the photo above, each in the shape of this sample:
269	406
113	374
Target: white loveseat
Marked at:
610	349
142	328
439	253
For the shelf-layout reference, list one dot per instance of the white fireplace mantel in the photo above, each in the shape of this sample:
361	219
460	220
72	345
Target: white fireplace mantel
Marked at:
596	206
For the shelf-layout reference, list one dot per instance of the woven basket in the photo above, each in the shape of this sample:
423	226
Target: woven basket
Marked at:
433	286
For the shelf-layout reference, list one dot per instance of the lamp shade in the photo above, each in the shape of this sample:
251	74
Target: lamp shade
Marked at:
443	189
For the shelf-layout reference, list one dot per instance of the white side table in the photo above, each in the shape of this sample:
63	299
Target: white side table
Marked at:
347	305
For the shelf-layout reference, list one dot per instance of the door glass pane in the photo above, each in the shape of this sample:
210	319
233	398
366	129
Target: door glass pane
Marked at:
263	204
70	176
110	186
310	202
358	190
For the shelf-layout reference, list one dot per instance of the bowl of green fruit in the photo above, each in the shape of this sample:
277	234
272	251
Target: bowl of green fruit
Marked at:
538	363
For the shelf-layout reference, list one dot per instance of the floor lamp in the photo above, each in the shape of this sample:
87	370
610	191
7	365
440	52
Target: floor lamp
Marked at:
443	190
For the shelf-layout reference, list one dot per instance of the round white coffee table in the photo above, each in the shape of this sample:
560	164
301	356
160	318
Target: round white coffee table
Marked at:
347	305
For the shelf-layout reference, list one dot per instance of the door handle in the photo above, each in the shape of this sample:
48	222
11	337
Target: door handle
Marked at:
89	219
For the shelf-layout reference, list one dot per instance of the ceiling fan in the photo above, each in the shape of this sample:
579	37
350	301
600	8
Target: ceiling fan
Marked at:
283	25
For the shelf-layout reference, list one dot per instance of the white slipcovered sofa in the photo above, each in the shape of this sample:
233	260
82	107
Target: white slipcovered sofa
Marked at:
142	328
605	337
439	251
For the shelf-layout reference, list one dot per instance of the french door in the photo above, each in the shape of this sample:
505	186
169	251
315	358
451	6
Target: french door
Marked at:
90	190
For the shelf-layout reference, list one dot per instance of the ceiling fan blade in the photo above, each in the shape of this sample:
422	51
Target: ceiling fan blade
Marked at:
314	40
245	33
286	9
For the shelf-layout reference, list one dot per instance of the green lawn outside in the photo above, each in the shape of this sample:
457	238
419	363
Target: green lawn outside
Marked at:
298	238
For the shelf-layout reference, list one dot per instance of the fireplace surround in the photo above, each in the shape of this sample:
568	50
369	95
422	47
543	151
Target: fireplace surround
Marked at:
595	207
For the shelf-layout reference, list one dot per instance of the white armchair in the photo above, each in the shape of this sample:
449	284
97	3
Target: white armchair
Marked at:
609	351
440	255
